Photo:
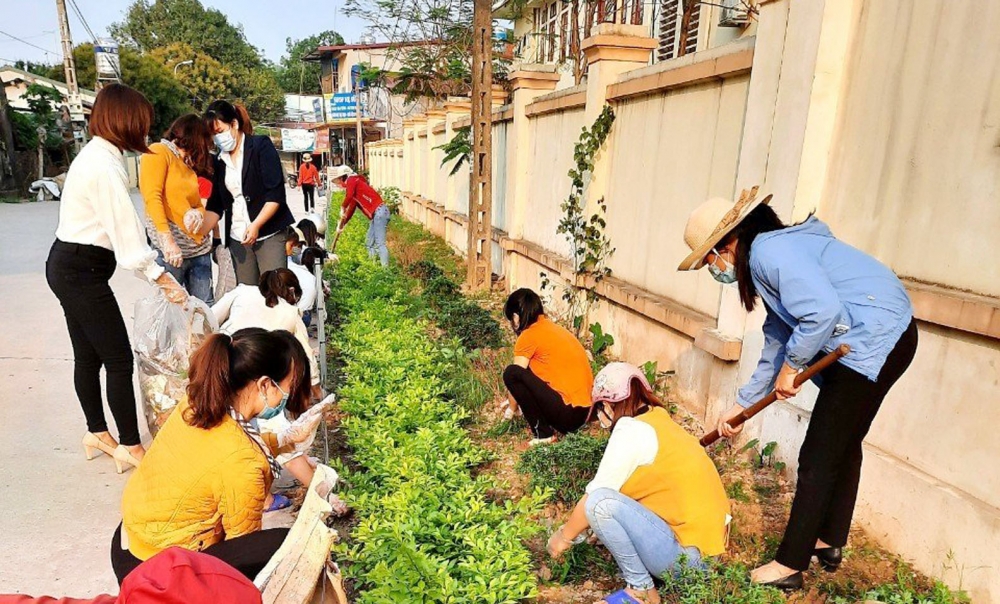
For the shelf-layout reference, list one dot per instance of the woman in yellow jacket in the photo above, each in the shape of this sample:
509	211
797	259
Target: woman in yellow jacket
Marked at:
168	181
657	499
202	484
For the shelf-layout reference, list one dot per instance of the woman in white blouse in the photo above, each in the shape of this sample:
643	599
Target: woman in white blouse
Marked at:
272	306
99	227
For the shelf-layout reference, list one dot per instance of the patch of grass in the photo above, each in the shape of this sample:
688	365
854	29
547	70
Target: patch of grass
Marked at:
565	466
906	589
582	562
718	584
737	492
507	427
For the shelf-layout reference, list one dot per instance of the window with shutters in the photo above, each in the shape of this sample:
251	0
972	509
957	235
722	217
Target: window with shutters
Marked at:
552	32
669	26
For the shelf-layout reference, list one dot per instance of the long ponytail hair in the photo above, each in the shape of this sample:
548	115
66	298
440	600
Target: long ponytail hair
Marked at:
762	219
224	365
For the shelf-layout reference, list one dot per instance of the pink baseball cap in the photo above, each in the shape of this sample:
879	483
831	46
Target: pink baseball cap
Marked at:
613	384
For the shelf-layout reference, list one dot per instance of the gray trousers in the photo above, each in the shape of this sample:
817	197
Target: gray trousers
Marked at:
253	261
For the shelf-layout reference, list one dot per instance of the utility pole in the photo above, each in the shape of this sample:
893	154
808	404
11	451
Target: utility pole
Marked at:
75	103
359	130
480	267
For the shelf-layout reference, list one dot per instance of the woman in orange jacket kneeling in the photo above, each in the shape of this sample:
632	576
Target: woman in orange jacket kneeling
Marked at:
202	484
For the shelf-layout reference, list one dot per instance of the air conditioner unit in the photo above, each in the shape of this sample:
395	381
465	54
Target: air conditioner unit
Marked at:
734	14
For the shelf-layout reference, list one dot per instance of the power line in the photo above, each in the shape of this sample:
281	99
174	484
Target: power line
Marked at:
76	9
13	37
79	14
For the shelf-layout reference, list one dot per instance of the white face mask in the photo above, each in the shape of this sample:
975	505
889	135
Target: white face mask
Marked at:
603	418
225	140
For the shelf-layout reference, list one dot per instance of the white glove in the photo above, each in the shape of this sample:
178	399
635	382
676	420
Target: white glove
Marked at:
171	252
193	220
302	432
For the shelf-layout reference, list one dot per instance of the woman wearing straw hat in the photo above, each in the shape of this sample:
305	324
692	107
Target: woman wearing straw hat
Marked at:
360	194
656	502
819	293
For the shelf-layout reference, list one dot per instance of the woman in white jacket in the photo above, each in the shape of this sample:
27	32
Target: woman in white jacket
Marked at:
271	305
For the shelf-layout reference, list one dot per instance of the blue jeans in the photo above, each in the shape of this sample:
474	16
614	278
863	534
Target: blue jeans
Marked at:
194	275
643	544
377	234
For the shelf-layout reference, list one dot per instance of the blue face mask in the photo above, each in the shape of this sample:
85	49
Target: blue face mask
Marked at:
225	141
722	276
273	412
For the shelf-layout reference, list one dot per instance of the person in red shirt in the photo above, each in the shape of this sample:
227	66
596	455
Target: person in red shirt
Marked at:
173	576
360	194
308	179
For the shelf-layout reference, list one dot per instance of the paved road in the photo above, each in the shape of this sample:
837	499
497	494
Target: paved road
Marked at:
57	510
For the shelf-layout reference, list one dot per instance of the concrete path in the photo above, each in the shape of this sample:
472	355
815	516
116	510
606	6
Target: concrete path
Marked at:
57	510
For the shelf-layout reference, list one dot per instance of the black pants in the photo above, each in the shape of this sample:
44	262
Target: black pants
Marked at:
309	195
831	454
78	275
248	554
543	407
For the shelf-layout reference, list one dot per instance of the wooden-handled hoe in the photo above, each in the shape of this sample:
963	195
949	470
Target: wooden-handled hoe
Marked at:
763	403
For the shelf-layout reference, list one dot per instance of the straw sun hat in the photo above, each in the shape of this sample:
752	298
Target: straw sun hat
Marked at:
710	222
338	171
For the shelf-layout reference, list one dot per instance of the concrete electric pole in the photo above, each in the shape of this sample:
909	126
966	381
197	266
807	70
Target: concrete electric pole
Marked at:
480	267
73	88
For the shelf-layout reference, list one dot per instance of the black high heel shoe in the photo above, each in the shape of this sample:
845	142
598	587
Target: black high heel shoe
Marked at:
792	582
829	558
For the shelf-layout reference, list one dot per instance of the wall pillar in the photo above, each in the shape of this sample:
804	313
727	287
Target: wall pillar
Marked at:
456	108
528	83
610	51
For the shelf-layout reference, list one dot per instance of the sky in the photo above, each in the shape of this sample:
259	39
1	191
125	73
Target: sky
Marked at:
266	24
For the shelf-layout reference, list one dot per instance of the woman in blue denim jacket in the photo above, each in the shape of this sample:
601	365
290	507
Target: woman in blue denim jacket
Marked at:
819	293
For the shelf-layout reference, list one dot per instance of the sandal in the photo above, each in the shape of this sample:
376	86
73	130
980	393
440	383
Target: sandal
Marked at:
621	597
534	442
279	502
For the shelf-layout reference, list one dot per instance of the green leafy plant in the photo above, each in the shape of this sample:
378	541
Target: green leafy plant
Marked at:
458	149
565	466
581	562
590	246
470	323
649	370
392	198
719	584
906	589
429	529
600	342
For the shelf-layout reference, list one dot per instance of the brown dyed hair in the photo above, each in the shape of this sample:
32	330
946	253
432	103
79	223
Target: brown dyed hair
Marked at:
638	402
190	133
123	117
224	365
280	283
227	112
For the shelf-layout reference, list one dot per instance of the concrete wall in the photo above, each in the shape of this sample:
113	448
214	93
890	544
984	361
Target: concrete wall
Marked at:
880	115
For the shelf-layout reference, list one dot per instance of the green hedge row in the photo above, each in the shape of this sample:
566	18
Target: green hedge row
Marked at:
429	530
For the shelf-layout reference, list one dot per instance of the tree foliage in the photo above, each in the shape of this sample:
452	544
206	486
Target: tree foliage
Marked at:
299	77
145	73
226	64
41	114
148	25
433	44
206	79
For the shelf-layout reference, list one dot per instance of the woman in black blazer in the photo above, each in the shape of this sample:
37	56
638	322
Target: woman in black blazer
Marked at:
248	189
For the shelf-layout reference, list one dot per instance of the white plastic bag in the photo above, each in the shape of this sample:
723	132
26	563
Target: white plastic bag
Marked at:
165	336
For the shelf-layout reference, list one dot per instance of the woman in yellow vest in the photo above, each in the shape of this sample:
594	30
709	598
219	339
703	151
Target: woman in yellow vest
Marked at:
657	496
202	484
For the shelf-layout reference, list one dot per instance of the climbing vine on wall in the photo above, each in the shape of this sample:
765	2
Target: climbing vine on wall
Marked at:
591	247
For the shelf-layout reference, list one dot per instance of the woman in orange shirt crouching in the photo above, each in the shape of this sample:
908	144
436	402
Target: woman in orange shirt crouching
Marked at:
551	378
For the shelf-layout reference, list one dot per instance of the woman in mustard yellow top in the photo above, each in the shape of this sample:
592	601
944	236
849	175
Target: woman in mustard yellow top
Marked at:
656	496
168	181
551	378
202	484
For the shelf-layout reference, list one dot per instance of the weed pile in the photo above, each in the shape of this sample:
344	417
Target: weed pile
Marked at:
428	530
